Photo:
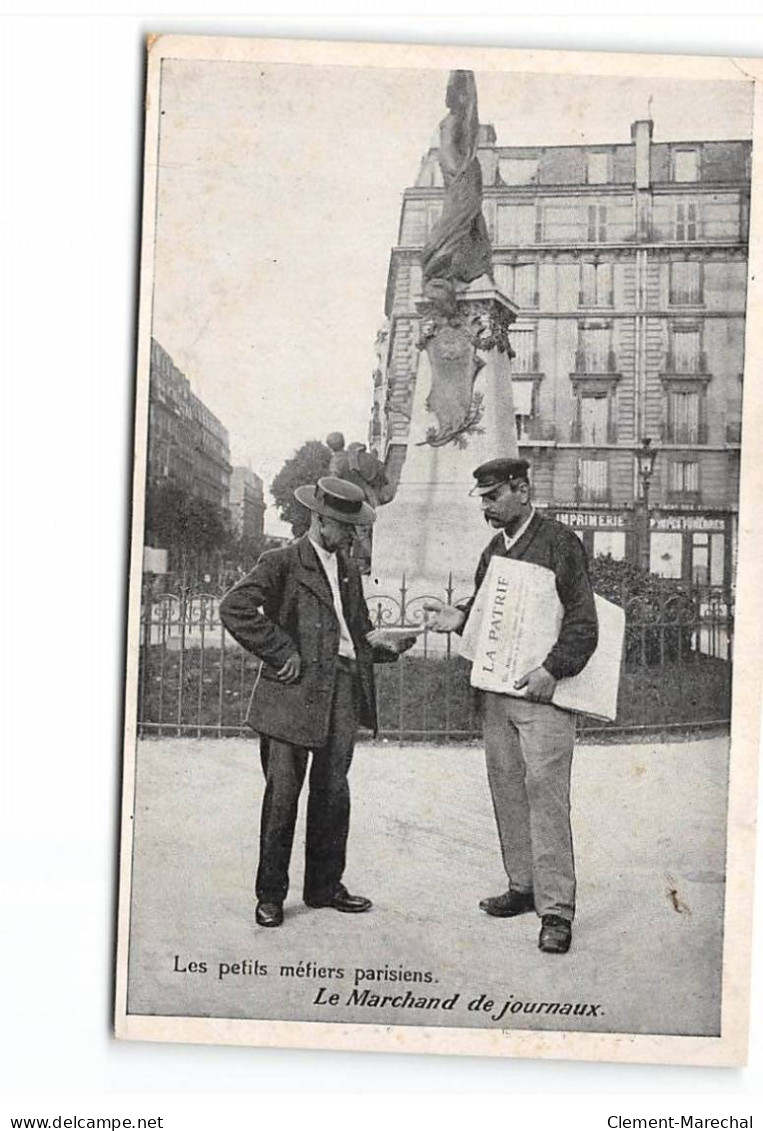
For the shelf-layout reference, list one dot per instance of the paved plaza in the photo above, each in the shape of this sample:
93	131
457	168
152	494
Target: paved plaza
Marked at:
649	824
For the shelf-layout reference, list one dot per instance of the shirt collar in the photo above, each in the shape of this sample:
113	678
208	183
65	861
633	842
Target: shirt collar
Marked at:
510	539
324	554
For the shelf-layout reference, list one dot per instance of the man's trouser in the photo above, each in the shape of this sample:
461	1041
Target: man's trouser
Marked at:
328	804
528	749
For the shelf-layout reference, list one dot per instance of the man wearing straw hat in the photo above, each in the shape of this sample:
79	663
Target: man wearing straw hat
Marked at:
301	610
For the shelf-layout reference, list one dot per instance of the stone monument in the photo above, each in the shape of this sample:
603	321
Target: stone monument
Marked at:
462	412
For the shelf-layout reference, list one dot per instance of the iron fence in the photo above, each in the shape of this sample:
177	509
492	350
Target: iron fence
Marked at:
194	679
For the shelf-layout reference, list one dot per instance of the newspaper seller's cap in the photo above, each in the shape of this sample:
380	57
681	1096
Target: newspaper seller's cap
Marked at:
496	472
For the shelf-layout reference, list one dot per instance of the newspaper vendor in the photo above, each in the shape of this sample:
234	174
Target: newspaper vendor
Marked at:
528	741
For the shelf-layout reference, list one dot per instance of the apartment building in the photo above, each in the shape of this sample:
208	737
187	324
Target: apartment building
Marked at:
186	441
628	262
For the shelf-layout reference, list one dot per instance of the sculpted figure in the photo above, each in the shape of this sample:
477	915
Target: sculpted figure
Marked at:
456	253
361	467
458	249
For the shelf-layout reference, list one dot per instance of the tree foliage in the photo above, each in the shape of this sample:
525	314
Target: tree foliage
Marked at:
184	522
660	614
306	466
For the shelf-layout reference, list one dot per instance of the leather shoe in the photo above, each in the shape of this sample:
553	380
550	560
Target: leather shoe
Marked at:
555	934
341	900
508	904
269	914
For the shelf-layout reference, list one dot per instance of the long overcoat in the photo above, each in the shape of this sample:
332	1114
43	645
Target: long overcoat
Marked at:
285	605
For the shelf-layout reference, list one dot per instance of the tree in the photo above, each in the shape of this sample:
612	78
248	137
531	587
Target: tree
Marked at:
660	614
194	530
306	466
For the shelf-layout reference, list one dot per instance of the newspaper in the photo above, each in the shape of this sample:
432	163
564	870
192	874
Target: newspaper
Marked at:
514	623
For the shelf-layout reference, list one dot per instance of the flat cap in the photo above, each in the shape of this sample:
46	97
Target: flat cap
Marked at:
496	472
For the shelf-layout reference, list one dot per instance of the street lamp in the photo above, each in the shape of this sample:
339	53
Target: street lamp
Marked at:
645	457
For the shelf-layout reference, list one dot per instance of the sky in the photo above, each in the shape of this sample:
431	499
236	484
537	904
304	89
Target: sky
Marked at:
279	196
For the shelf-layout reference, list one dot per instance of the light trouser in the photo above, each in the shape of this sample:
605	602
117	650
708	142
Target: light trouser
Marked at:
328	803
528	749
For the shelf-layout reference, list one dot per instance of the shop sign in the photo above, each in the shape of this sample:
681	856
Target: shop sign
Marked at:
594	520
687	523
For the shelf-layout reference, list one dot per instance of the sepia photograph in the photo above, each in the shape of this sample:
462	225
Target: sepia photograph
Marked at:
436	735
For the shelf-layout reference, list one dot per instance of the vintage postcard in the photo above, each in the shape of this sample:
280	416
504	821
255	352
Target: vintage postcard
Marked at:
403	311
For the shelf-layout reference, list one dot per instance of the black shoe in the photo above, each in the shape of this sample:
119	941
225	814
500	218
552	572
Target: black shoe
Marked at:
555	935
269	913
341	900
508	904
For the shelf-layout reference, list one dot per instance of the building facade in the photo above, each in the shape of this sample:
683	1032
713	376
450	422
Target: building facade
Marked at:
629	265
247	504
187	444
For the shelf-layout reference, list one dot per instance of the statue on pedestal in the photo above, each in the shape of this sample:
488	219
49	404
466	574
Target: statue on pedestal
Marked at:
458	249
361	467
456	254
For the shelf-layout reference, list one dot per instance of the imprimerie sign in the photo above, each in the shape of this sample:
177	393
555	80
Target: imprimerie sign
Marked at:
595	520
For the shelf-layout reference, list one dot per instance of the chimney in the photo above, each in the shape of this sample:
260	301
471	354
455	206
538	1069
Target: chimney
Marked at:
641	136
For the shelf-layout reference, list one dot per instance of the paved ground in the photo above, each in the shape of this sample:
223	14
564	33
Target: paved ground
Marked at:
649	835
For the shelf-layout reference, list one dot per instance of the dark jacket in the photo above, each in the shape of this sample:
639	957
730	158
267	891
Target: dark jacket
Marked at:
284	605
547	543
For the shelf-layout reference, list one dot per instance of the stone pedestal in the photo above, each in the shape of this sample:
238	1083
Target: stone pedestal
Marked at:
433	528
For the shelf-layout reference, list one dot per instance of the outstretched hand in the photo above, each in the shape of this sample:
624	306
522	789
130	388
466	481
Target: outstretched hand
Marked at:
393	639
444	618
540	685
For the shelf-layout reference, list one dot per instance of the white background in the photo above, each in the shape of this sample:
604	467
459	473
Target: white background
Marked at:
70	177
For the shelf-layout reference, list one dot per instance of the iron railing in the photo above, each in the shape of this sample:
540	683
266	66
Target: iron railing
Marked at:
195	680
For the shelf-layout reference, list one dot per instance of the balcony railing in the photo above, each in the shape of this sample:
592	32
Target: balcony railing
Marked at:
677	496
687	368
680	296
595	363
579	436
589	494
536	431
684	434
528	362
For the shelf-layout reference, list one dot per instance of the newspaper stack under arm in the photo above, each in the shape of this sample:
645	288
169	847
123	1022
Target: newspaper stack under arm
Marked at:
515	622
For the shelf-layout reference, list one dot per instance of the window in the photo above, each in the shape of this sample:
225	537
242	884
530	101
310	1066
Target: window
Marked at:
609	543
686	222
594	410
597	223
707	554
518	170
593	480
594	354
685	165
516	224
523	396
685	283
523	343
684	478
519	282
685	355
665	554
596	284
598	168
700	559
684	423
